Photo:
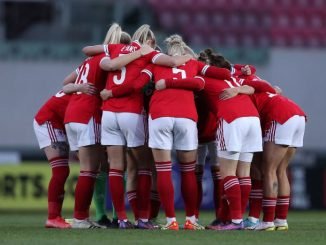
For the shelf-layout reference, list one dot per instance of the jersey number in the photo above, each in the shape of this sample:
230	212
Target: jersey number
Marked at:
82	76
176	71
122	78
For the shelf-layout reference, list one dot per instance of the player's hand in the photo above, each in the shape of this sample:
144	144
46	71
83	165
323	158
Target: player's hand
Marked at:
87	88
160	84
229	93
278	90
106	94
246	70
145	49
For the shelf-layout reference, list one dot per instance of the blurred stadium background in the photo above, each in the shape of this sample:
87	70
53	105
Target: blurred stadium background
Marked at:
41	41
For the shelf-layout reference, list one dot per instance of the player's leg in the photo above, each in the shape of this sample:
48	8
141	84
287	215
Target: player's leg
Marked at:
256	194
199	171
283	198
272	157
89	165
186	144
54	143
161	141
131	183
99	196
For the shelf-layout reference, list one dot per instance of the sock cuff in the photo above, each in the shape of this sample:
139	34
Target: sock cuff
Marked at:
144	172
92	174
187	166
245	181
59	162
230	181
163	166
131	195
116	173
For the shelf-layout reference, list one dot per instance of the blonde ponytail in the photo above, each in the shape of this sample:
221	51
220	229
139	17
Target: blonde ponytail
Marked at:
113	35
175	45
143	33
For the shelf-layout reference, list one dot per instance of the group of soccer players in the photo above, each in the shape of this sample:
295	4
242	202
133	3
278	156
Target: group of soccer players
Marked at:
128	105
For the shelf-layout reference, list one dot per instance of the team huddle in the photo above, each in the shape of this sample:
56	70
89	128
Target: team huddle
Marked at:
128	106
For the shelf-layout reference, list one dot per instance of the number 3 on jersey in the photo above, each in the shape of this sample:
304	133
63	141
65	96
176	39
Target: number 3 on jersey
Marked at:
122	78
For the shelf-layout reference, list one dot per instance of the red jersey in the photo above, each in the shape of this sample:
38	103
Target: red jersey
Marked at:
230	109
236	71
54	110
172	102
133	102
207	121
82	107
274	107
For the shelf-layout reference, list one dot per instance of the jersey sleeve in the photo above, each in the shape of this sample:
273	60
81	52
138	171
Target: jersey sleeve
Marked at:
195	84
237	68
259	85
213	71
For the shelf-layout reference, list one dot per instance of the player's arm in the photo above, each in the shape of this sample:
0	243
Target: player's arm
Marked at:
171	61
213	71
71	78
245	69
85	88
126	88
260	86
93	50
232	92
108	64
194	84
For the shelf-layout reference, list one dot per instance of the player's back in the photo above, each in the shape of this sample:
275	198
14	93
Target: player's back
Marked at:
174	102
229	109
83	106
54	109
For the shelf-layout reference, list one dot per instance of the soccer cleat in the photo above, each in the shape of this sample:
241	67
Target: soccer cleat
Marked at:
192	226
58	222
156	224
115	223
214	224
125	224
229	227
281	225
84	224
144	225
104	221
174	226
249	225
265	226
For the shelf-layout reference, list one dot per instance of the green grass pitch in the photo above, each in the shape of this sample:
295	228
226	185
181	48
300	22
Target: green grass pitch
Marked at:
28	228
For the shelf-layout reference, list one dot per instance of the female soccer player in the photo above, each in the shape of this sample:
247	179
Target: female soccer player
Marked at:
234	112
51	135
83	128
283	124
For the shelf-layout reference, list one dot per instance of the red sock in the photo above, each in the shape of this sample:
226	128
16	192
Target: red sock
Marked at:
56	190
132	199
144	181
269	206
116	188
223	210
245	187
155	205
189	187
165	187
199	177
84	193
233	195
255	198
282	207
217	190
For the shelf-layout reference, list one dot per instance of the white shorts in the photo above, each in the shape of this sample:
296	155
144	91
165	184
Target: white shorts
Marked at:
245	157
80	134
123	128
46	134
241	135
169	133
290	133
210	149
